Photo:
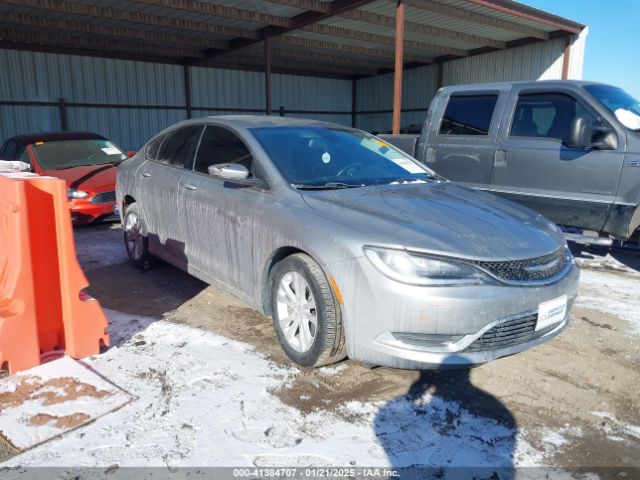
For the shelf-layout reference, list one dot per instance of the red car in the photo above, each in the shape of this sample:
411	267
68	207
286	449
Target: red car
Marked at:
87	161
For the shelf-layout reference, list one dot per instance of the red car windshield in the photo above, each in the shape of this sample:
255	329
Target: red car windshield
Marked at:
61	154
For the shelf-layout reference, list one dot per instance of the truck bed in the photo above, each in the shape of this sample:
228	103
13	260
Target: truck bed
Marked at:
406	141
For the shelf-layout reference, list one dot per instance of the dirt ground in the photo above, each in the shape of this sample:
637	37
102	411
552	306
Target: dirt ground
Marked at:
594	366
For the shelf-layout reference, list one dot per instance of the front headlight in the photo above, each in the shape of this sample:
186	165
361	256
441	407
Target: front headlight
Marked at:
72	193
417	269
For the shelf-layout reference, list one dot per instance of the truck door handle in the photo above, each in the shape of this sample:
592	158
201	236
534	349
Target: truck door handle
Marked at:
500	158
189	187
430	155
145	174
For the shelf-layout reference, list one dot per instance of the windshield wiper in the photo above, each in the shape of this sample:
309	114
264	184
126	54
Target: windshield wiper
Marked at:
388	181
326	186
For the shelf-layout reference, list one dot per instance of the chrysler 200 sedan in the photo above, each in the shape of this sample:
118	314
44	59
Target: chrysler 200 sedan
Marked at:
351	246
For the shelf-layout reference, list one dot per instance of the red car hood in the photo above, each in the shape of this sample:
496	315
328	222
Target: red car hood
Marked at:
92	178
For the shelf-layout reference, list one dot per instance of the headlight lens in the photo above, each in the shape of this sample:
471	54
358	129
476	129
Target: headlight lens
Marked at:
416	269
72	193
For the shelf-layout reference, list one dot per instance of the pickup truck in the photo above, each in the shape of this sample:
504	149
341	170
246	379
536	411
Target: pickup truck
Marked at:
567	149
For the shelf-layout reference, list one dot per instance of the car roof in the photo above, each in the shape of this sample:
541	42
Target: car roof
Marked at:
30	138
505	86
256	121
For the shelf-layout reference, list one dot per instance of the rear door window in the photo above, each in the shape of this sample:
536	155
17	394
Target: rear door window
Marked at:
179	146
468	115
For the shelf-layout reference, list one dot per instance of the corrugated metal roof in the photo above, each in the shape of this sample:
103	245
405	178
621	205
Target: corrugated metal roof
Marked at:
460	25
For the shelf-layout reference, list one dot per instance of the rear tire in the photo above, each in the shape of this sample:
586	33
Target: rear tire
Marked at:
306	314
136	240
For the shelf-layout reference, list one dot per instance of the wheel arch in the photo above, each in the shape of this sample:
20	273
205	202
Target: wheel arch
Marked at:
276	257
127	200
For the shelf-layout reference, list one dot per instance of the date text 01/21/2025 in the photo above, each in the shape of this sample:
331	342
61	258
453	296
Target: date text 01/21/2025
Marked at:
315	472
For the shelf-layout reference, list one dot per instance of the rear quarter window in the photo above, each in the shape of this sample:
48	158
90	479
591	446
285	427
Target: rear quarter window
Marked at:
152	148
468	115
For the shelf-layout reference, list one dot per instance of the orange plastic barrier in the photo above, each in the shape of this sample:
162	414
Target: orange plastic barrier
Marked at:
42	304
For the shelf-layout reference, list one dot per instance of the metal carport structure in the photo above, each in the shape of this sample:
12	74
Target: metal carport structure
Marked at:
357	50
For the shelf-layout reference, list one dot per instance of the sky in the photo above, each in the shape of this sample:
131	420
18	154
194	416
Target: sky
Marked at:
612	53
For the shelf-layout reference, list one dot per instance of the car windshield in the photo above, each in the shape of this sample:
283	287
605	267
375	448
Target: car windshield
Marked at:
320	157
620	103
60	154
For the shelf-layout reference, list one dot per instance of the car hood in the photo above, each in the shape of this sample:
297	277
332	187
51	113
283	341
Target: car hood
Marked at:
90	177
440	218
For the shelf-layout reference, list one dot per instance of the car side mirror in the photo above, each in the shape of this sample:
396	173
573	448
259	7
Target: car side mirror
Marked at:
580	132
131	153
229	171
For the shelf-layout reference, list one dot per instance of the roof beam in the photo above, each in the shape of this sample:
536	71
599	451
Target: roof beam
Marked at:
313	5
83	43
345	48
244	61
431	31
529	13
106	31
474	17
381	39
336	7
282	52
218	10
93	11
318	6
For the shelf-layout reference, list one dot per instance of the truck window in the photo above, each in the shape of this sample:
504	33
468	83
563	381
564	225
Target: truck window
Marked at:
546	115
468	115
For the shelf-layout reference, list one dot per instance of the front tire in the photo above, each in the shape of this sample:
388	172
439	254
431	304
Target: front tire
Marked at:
306	314
136	240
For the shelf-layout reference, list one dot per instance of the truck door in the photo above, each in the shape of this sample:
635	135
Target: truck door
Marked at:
462	140
533	166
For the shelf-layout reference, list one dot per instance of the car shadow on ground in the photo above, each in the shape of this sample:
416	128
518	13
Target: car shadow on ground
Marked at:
139	296
444	427
626	257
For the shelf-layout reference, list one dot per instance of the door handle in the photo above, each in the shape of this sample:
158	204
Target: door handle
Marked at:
145	174
189	187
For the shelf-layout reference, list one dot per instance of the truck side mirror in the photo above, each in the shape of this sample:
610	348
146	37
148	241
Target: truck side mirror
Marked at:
607	140
580	132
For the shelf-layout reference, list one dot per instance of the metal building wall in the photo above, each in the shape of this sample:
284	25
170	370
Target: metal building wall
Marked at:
538	61
375	98
130	101
307	97
35	76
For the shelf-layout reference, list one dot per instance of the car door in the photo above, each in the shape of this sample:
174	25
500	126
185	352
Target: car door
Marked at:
218	216
157	189
461	147
533	165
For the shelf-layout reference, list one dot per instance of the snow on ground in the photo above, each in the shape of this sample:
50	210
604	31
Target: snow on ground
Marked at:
616	429
611	293
51	399
203	399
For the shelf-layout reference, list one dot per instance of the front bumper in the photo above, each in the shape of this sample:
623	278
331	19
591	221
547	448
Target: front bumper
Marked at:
376	308
84	212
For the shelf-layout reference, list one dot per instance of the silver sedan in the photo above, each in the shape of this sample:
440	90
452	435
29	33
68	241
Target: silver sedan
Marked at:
354	248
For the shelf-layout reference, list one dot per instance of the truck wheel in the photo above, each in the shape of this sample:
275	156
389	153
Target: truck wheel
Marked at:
136	241
307	317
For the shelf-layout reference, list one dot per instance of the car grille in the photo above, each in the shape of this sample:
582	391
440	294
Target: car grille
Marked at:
104	197
531	270
510	333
